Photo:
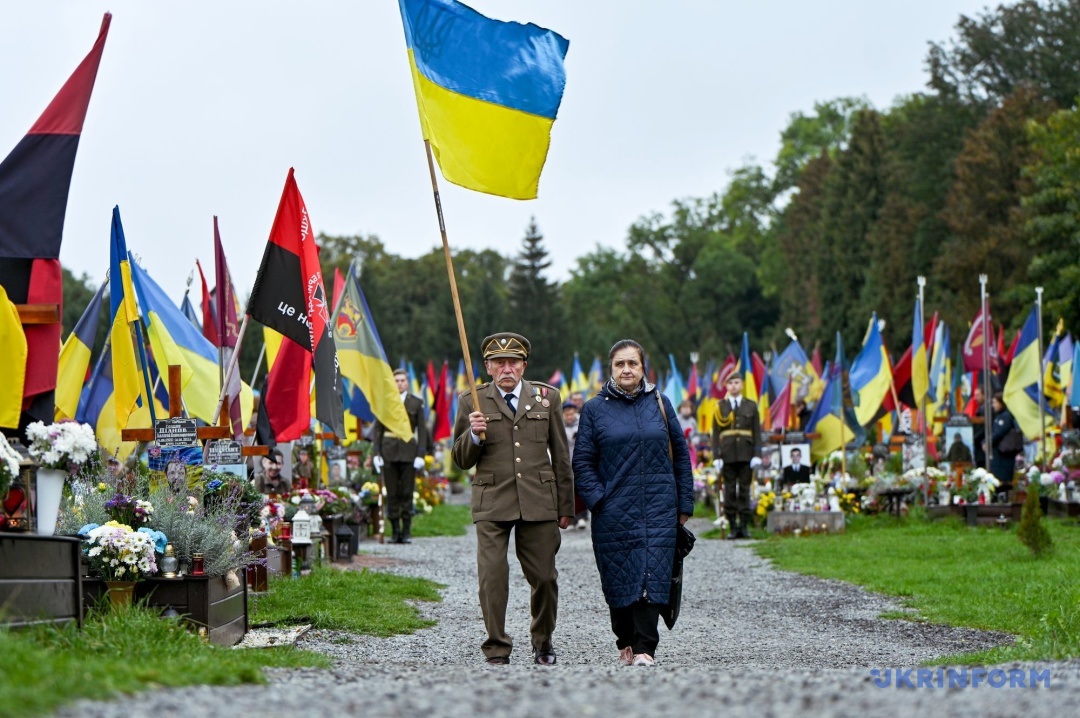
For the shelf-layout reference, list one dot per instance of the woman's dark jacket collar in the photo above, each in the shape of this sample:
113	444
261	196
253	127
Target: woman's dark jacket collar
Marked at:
614	390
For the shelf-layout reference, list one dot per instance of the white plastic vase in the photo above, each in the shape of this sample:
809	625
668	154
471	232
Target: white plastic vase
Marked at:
50	487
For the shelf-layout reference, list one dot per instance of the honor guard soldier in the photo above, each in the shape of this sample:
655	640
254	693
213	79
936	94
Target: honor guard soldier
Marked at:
523	484
736	441
400	460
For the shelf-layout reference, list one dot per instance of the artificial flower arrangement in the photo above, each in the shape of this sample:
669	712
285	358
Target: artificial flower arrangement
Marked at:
429	491
334	502
64	445
9	465
117	553
979	487
1048	483
369	493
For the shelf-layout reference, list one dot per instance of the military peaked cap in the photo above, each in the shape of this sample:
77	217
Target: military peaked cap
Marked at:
507	345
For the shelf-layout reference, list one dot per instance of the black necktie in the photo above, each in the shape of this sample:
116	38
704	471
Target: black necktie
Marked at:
510	403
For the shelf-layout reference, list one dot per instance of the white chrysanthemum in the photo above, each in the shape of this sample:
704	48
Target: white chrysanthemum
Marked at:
95	551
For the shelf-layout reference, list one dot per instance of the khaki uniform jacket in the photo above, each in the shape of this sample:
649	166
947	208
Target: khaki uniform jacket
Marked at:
736	438
391	448
523	465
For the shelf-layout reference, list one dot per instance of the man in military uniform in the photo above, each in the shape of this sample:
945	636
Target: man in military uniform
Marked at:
736	441
523	483
400	460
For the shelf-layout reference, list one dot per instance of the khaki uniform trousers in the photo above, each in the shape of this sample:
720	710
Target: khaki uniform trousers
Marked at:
536	543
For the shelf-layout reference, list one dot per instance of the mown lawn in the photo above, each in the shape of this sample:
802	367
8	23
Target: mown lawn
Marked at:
955	574
368	602
125	652
444	520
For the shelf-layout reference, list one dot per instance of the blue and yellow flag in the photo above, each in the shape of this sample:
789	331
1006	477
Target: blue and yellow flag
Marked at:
363	360
1021	393
827	420
746	371
596	378
126	378
75	358
175	340
1055	380
488	92
920	373
870	375
578	381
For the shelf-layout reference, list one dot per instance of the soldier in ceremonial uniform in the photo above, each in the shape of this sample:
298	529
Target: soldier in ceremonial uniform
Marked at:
523	484
736	442
400	460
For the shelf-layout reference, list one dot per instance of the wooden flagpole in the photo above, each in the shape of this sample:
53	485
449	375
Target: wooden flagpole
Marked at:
453	280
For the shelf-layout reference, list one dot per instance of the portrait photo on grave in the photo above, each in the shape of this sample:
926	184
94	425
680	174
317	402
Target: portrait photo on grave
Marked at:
959	444
179	465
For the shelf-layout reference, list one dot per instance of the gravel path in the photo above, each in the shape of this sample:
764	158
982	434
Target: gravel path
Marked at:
751	641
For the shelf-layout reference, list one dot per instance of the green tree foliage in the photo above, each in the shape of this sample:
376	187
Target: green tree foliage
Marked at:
806	136
1053	214
536	308
854	194
984	214
1029	44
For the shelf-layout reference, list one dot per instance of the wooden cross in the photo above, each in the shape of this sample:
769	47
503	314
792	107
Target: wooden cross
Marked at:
176	408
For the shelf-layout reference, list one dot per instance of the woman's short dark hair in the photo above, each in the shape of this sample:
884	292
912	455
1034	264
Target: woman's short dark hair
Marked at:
999	397
623	344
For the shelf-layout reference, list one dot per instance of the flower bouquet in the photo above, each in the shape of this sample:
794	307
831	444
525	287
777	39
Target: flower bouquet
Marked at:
129	511
334	503
9	466
117	553
64	445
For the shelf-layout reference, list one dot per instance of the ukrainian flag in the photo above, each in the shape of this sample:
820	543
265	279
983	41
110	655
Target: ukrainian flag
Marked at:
1021	393
176	341
870	377
75	359
125	368
920	374
746	371
827	420
488	92
596	378
578	381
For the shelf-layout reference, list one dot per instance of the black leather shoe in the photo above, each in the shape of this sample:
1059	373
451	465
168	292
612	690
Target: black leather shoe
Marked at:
499	661
544	658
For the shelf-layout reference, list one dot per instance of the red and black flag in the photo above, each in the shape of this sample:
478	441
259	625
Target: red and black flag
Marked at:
34	183
289	297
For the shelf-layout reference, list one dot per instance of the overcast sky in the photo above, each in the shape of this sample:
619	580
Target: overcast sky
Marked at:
201	107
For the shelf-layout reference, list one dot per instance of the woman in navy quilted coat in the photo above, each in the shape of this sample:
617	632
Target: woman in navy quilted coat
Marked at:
633	470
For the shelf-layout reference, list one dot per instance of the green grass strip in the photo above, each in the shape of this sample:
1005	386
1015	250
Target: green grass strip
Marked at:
365	602
444	520
958	575
122	653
